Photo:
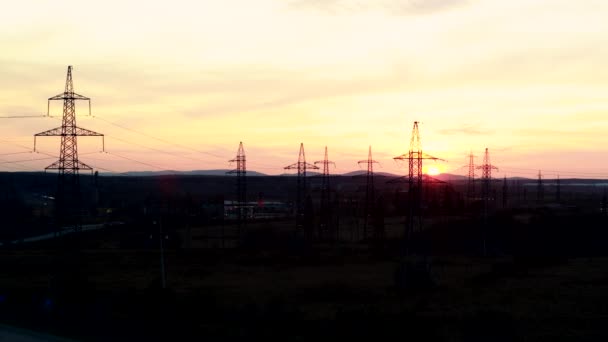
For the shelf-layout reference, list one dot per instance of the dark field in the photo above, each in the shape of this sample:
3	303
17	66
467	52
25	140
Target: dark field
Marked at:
297	292
545	277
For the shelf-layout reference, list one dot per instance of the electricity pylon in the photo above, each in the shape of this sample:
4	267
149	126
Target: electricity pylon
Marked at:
302	189
68	204
415	156
325	212
241	185
540	189
486	179
370	191
471	178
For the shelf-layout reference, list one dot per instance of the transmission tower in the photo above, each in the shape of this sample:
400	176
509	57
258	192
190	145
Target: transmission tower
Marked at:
325	212
370	191
241	185
301	190
68	204
504	192
558	195
415	156
486	179
540	191
471	179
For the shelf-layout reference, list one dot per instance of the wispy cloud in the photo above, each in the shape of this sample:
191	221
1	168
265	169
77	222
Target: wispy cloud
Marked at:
465	130
397	7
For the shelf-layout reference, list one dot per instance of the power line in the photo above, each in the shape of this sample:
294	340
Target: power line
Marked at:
136	161
22	116
159	139
24	160
14	153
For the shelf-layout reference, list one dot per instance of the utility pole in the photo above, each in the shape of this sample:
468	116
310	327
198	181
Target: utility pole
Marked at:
325	212
414	157
302	189
68	201
370	191
486	179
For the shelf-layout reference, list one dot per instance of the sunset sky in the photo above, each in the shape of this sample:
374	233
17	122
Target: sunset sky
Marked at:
177	84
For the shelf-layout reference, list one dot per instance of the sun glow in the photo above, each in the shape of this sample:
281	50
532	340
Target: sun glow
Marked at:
433	171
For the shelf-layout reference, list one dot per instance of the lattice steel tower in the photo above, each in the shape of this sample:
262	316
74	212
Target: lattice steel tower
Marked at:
540	189
325	212
486	186
505	192
68	204
414	158
471	178
558	195
241	184
370	191
301	189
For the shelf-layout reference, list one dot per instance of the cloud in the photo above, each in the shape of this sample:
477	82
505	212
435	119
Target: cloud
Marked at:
397	7
464	130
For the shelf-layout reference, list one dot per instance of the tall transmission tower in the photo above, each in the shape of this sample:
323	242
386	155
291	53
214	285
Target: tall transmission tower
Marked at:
241	185
325	212
415	156
302	189
540	190
486	178
370	191
471	178
504	192
68	206
558	195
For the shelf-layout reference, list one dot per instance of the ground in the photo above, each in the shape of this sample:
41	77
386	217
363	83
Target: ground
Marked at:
325	292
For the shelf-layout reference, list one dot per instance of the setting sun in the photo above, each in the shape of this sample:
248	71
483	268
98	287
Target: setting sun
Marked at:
433	171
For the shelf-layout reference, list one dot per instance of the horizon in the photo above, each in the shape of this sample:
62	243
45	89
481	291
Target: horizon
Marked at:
445	177
183	95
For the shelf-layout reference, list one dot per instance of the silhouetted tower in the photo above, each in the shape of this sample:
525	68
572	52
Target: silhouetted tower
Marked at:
370	191
471	178
241	184
68	204
414	157
325	212
605	203
558	194
540	190
301	190
486	183
504	192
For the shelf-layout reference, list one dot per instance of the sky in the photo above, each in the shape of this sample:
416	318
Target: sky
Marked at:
177	85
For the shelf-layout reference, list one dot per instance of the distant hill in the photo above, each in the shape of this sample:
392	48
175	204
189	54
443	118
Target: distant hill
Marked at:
181	173
364	172
445	177
308	174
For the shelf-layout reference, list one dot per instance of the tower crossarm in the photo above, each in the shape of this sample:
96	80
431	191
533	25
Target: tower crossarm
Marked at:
323	161
418	155
297	165
78	165
81	132
69	96
486	167
57	132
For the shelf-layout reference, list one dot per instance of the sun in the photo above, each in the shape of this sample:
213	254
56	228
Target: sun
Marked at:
433	171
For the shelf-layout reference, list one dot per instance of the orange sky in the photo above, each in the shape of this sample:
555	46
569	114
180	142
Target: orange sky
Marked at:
524	78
